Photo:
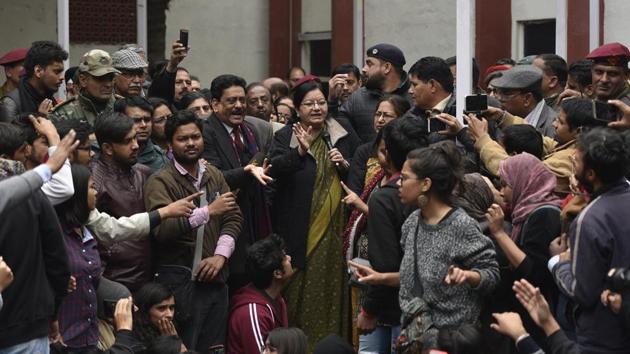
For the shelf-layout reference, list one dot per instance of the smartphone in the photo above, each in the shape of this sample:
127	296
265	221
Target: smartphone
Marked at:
607	112
353	280
476	103
109	307
183	37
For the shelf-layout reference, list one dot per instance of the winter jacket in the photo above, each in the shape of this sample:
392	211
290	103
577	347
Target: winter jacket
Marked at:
253	314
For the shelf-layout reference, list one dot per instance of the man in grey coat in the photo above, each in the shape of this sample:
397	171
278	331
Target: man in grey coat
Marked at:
520	92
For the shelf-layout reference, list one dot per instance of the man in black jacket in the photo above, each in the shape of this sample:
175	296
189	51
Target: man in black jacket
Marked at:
236	147
385	218
32	245
385	75
44	75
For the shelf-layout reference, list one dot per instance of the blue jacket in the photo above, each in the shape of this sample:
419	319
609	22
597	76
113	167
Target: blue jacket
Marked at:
600	240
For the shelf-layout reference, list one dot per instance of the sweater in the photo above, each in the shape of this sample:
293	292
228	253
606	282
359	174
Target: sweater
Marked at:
456	240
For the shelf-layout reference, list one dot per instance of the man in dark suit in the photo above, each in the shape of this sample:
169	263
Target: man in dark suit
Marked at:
237	148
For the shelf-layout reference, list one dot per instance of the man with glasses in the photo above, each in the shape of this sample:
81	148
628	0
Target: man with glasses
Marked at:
141	111
96	93
236	147
520	92
131	78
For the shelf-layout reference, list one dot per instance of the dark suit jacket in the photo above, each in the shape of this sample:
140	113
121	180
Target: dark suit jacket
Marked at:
219	152
545	122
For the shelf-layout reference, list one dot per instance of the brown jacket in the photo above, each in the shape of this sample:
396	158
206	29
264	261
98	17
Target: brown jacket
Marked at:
557	158
175	239
120	194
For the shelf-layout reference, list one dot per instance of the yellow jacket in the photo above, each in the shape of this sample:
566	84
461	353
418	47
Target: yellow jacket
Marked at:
557	158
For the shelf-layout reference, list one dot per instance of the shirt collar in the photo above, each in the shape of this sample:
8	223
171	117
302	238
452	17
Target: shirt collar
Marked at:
533	116
442	104
184	172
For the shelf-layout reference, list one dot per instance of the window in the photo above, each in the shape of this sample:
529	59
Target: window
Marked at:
316	53
539	37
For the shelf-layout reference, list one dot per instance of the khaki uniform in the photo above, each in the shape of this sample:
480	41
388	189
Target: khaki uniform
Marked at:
81	108
556	157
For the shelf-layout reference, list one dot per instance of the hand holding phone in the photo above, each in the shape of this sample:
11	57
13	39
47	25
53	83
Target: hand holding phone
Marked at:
183	37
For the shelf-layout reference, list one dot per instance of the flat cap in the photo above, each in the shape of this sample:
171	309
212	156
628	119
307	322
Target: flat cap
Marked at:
97	62
127	59
613	54
14	56
387	52
519	77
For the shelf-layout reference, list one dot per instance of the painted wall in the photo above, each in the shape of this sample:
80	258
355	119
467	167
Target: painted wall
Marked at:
418	28
316	15
23	22
616	28
225	37
528	10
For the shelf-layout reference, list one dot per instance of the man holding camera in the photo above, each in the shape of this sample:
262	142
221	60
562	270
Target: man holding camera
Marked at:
598	241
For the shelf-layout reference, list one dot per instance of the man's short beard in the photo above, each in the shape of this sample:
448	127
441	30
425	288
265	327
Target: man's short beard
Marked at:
375	82
588	186
184	160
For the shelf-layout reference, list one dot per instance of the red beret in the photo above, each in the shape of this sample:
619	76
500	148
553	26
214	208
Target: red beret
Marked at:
495	68
305	79
613	54
14	56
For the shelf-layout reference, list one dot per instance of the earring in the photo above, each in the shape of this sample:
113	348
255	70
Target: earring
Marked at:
422	200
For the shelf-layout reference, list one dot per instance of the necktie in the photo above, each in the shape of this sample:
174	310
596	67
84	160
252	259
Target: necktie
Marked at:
236	137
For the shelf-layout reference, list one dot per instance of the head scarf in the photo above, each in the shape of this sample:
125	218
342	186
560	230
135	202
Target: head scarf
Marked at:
532	186
474	196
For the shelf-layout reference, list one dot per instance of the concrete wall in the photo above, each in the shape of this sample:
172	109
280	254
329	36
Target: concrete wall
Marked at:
225	37
528	10
418	28
616	27
316	15
23	22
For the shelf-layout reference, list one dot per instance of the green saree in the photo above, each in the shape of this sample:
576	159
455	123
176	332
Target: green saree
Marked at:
318	296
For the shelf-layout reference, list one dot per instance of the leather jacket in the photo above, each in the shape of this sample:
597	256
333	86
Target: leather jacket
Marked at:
120	194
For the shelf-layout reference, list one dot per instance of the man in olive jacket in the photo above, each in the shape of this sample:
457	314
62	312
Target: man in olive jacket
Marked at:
175	239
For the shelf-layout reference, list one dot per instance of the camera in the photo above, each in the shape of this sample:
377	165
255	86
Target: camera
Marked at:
618	279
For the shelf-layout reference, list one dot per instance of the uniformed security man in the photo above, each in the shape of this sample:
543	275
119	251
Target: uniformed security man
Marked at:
610	72
96	90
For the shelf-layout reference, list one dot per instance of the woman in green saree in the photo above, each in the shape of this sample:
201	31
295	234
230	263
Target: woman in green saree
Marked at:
309	215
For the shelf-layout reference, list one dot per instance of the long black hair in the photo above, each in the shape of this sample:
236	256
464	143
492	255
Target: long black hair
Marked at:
146	297
74	212
288	340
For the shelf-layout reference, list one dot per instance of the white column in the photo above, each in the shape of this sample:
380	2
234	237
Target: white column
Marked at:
357	30
593	24
63	36
561	28
141	20
465	52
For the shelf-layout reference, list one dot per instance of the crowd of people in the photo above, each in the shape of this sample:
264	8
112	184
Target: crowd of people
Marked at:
146	213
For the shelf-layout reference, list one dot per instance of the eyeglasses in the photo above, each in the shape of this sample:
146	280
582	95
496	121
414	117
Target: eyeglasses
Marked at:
312	104
385	115
505	96
283	116
130	74
269	349
158	120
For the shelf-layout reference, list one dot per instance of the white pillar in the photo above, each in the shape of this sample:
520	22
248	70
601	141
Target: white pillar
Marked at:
561	28
141	23
63	36
593	24
357	30
465	52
